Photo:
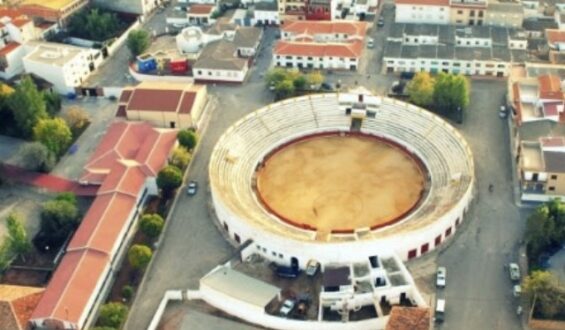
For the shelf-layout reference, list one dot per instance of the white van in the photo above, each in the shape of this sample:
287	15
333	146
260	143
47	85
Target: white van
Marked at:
440	310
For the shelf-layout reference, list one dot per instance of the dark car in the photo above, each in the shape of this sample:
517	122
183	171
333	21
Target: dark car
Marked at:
381	22
327	86
288	272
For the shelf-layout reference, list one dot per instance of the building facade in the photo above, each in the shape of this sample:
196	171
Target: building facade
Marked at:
429	11
138	7
54	11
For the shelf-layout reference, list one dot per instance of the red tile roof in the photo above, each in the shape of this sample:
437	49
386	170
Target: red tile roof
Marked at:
187	102
126	93
324	27
9	48
154	153
201	9
550	87
154	100
555	36
17	304
345	50
554	141
12	13
104	223
73	285
551	109
124	178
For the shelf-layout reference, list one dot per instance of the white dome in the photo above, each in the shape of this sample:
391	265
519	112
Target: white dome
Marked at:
190	40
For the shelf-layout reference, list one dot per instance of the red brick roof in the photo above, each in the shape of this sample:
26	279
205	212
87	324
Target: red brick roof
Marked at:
9	48
104	223
17	304
72	286
409	318
550	87
555	141
325	27
555	36
154	100
344	50
201	9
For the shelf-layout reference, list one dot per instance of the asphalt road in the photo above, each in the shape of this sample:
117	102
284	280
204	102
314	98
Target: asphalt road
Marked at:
478	294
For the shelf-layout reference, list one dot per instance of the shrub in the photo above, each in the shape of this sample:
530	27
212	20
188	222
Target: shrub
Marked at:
54	133
58	219
180	158
138	41
151	225
127	292
139	256
112	315
188	139
169	179
37	157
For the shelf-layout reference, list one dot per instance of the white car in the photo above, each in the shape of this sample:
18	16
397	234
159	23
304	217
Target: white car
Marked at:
370	43
514	270
287	307
441	277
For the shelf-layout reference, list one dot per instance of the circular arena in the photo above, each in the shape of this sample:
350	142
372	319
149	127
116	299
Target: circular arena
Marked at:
348	175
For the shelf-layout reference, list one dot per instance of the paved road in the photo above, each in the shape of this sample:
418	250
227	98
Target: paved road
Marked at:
478	294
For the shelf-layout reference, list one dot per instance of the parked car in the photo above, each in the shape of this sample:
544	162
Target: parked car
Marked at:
441	277
192	188
514	270
312	267
370	43
327	86
287	307
502	113
439	315
517	291
289	272
381	22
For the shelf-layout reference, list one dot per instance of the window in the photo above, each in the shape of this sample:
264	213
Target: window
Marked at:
258	247
209	73
274	254
412	253
551	188
424	248
472	13
459	12
554	177
437	240
448	232
281	256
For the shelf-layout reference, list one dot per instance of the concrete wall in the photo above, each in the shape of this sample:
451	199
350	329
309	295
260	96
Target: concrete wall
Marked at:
204	74
326	62
454	66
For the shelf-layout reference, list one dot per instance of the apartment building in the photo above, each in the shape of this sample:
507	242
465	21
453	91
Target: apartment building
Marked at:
15	29
460	12
64	66
477	50
320	45
54	11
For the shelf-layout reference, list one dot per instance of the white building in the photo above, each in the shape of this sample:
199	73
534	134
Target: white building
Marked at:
219	62
65	66
15	30
266	13
413	11
479	50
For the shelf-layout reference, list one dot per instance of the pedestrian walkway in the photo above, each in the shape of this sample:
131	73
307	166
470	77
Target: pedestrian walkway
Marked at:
46	181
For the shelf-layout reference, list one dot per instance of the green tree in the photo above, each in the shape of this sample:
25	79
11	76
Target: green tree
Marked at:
28	106
180	157
300	83
37	157
169	179
17	240
539	228
451	92
550	297
151	225
112	315
67	197
53	103
276	75
315	78
54	133
5	257
284	89
421	89
94	24
139	256
187	138
58	219
138	42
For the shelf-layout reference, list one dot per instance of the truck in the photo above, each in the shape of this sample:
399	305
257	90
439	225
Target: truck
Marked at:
440	311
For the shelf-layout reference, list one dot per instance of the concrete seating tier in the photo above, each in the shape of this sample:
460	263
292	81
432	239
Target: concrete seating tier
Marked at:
439	146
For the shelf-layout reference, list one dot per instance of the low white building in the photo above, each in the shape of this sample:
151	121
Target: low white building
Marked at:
302	55
479	50
247	40
431	11
266	13
64	66
218	62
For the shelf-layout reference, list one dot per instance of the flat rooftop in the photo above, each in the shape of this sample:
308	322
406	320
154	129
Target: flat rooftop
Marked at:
54	54
531	156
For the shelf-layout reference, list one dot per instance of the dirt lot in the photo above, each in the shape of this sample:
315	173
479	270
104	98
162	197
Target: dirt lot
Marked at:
337	182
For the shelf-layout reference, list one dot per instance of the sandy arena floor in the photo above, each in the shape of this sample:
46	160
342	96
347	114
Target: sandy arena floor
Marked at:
334	182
